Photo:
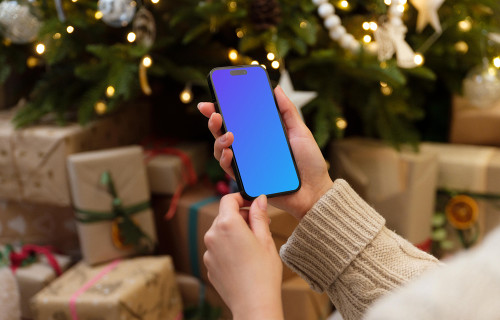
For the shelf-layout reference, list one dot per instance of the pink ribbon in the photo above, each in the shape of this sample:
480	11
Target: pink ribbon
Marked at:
72	301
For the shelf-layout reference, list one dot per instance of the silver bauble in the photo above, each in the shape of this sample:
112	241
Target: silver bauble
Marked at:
117	13
17	22
481	86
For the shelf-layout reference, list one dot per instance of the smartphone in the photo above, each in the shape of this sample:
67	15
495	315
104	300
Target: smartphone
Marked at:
263	161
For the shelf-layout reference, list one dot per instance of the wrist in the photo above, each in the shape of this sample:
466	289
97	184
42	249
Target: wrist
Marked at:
270	310
316	195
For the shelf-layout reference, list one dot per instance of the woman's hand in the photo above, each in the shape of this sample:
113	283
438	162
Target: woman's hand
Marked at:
310	161
242	261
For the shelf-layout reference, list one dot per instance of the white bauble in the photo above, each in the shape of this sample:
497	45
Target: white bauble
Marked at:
318	2
337	33
117	13
481	87
17	22
325	10
332	21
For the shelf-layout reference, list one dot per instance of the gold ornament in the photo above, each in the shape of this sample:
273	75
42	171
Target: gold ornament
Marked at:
462	212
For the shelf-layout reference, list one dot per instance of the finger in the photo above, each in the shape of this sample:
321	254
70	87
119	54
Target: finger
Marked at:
259	219
215	124
244	214
225	162
230	204
206	108
289	112
221	143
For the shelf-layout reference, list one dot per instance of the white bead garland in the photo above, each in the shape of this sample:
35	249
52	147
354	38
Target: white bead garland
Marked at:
325	10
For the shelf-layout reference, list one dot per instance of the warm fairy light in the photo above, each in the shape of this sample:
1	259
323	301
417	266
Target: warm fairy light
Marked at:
303	24
264	66
418	59
155	1
386	91
270	56
232	5
373	26
31	62
110	91
239	33
100	107
366	25
462	46
131	37
388	2
341	123
56	36
186	95
403	2
344	4
367	39
401	8
255	62
74	1
383	64
275	64
147	61
383	84
496	62
465	25
98	15
70	29
233	54
40	48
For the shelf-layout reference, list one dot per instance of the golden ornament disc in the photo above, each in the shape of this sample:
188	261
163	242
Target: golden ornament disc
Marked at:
116	237
462	212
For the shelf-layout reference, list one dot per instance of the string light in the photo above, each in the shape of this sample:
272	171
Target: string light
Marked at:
100	107
70	29
366	25
386	90
155	1
74	1
418	59
255	62
388	2
232	6
56	36
401	8
367	39
373	26
31	62
110	91
341	123
462	46
147	61
264	66
270	56
344	4
186	95
98	15
303	24
275	64
465	25
40	48
240	33
131	37
233	55
496	62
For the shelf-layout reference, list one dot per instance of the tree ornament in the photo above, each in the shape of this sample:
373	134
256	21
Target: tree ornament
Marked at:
144	27
428	14
299	98
18	23
462	212
265	13
117	13
481	86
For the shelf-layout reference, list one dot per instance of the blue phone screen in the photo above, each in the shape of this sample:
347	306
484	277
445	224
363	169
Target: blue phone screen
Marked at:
260	148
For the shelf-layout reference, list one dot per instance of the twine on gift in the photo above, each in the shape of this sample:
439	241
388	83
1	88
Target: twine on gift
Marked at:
128	232
28	255
189	176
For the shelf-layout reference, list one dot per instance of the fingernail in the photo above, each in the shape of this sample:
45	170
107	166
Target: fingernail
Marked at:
262	202
198	105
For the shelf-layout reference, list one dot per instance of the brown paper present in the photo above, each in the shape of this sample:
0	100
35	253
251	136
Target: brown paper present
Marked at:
140	288
33	160
471	169
102	236
34	277
399	185
471	125
182	236
302	303
38	224
165	171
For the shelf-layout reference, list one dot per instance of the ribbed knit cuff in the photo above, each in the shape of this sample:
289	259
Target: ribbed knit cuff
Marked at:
330	236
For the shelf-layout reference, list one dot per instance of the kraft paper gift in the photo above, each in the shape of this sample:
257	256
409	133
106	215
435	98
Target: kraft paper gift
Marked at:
10	305
33	159
141	288
465	169
470	125
166	171
41	224
399	185
111	226
182	236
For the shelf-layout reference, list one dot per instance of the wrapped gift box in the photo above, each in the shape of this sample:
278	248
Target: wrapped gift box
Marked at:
165	171
474	169
33	160
471	125
140	288
300	302
38	224
182	236
102	239
399	185
34	277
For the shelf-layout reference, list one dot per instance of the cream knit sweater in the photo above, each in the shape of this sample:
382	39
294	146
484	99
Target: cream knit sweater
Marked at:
341	246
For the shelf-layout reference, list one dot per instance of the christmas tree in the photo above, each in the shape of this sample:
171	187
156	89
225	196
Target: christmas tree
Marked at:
379	68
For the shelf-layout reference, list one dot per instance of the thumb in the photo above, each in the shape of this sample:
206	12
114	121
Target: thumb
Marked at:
259	219
288	110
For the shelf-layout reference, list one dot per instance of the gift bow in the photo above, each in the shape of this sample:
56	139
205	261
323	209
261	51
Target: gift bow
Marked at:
129	232
27	255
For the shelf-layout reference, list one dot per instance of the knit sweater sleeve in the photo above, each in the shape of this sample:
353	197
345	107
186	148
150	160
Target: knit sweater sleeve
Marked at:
341	246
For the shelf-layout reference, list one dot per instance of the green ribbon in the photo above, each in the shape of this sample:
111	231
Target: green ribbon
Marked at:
130	232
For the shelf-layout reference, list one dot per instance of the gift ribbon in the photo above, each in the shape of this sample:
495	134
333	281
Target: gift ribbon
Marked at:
193	233
118	212
19	259
189	176
72	301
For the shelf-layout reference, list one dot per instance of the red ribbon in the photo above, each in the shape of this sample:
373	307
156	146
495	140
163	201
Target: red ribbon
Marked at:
188	173
425	245
17	258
